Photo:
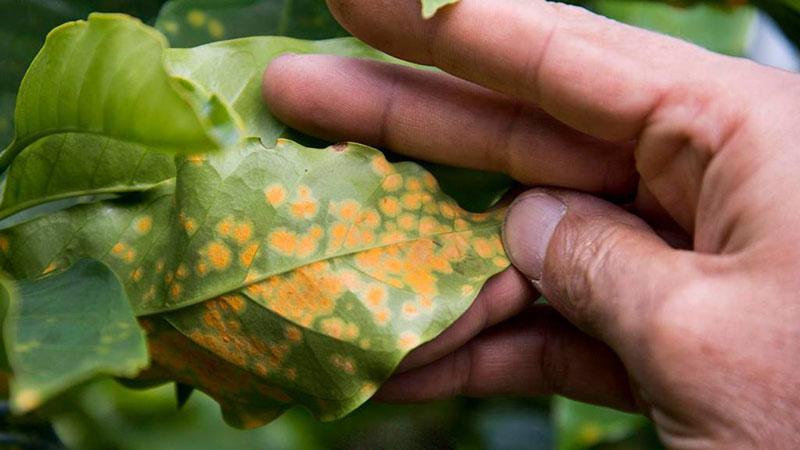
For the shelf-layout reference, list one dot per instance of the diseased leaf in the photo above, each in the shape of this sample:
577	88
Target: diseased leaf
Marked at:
188	23
105	77
64	328
723	31
431	7
234	69
272	258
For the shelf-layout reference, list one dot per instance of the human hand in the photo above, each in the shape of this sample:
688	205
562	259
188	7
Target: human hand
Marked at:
705	341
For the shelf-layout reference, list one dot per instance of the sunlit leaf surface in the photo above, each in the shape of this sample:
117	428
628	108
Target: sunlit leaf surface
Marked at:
65	328
80	83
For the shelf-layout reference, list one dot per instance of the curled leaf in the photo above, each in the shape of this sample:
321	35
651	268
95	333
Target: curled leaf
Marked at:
105	77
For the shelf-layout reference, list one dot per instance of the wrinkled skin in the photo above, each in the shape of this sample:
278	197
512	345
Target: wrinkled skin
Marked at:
681	304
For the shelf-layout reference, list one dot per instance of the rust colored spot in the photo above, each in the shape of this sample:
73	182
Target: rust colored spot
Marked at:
137	274
243	232
219	255
225	227
392	182
381	166
283	241
247	255
294	334
275	194
144	225
408	340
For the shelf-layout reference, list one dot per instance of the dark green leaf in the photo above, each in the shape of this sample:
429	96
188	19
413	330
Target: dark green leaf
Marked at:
188	23
65	328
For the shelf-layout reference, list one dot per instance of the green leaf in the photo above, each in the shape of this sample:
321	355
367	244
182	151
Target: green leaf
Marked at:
188	23
431	7
65	328
23	30
72	165
580	426
723	31
105	77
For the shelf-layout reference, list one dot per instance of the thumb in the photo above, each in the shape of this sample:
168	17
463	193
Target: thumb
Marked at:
598	265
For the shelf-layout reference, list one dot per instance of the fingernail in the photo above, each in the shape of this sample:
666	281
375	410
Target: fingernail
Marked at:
530	223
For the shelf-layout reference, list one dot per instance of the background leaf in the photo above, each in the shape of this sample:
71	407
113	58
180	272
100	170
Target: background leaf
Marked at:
188	23
105	77
65	328
580	426
23	28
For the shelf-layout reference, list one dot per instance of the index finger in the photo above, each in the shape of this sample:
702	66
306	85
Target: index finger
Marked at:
599	76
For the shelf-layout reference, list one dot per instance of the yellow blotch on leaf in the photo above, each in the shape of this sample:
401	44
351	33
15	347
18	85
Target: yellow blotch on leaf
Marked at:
389	206
175	290
412	200
144	224
283	241
170	26
483	247
137	274
196	18
343	363
247	255
27	399
413	184
410	310
225	227
408	340
381	166
243	232
347	210
188	224
219	255
392	182
294	334
301	295
408	222
275	194
216	29
590	434
375	296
